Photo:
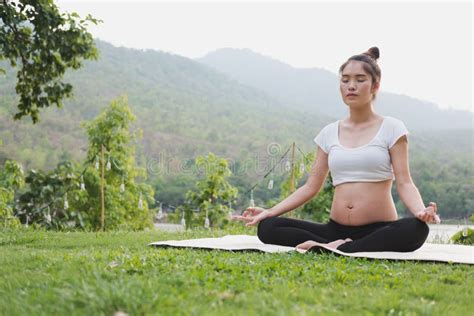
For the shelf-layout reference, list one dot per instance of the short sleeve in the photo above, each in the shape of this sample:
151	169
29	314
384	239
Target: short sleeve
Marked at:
321	140
398	130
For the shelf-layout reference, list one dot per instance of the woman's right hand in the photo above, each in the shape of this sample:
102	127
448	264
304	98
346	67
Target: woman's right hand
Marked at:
253	215
430	214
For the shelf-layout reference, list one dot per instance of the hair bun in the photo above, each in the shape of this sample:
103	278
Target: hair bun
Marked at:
373	52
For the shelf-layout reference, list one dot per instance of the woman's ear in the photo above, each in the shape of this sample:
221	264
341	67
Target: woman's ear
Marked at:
375	87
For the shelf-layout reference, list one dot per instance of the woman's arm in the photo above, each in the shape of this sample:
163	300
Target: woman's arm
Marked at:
406	189
315	181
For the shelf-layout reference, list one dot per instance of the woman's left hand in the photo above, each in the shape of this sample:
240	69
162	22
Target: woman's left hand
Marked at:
429	214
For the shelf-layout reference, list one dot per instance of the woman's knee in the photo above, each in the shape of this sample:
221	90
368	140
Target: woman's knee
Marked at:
265	229
419	231
421	228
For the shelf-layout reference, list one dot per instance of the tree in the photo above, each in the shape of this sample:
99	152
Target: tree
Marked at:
213	194
44	42
70	197
126	201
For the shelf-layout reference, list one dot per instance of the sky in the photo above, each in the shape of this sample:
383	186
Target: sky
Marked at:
425	47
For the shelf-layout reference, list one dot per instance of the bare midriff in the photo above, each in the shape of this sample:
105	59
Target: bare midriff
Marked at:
361	203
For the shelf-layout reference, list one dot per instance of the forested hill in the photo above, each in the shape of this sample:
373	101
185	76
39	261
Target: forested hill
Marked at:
186	108
317	90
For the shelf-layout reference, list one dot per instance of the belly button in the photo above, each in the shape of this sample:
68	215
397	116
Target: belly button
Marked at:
350	207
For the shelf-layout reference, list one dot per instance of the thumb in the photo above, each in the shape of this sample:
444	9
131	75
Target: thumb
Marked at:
251	223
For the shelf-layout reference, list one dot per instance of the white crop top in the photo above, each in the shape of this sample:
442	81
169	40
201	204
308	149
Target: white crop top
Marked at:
368	163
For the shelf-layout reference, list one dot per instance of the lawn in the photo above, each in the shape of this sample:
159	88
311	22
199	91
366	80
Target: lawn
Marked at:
78	273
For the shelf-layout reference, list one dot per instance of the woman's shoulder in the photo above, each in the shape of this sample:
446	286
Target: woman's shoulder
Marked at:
326	136
394	129
330	126
393	120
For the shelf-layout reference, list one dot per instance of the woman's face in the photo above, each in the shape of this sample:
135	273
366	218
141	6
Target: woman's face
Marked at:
354	80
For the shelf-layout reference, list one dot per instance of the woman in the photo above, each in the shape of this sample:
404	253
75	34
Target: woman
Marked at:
365	153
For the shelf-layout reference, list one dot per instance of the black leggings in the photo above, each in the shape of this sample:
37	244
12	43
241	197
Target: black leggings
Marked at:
403	235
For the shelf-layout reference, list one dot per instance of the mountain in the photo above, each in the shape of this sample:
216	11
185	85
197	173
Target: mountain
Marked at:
184	108
316	90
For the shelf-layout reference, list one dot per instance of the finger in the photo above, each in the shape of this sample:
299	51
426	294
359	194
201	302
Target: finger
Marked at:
432	218
429	218
424	217
247	214
435	219
251	223
429	210
435	207
242	218
432	212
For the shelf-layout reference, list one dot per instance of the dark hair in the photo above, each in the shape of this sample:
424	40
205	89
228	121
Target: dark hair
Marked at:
369	64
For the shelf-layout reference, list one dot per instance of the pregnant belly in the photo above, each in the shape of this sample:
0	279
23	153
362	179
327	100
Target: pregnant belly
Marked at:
361	203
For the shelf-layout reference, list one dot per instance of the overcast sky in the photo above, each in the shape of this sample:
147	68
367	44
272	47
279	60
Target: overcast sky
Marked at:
425	48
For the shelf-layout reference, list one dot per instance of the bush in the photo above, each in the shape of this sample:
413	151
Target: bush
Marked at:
11	179
464	237
45	203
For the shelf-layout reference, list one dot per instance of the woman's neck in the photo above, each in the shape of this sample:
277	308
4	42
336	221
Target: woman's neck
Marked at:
362	116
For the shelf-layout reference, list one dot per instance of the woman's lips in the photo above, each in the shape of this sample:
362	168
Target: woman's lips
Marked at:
351	95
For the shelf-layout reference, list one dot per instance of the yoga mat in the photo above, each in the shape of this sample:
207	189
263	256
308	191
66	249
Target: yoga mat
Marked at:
427	252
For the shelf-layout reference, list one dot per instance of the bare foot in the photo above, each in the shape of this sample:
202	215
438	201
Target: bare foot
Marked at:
333	244
336	243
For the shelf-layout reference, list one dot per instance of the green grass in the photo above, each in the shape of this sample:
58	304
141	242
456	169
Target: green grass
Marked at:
77	273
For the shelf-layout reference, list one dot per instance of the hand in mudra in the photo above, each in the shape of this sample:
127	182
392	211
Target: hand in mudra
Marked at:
252	215
429	214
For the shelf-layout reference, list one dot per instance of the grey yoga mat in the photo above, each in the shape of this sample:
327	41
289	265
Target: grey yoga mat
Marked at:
428	252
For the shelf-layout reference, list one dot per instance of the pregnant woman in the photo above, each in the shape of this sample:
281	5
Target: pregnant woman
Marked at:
364	152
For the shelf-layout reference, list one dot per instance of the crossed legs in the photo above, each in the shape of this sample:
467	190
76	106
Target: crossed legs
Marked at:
403	235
